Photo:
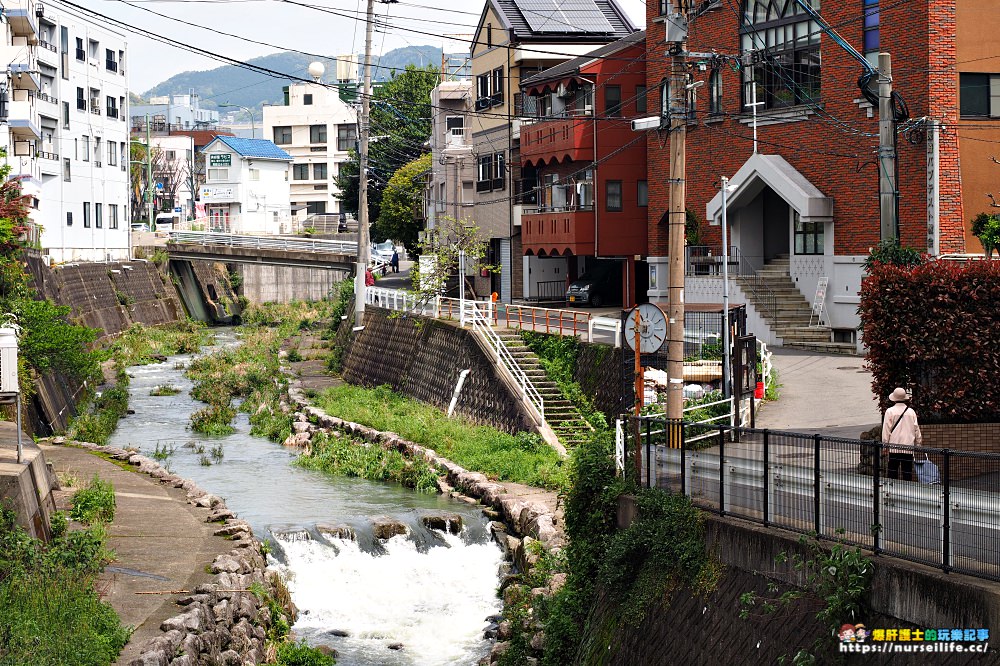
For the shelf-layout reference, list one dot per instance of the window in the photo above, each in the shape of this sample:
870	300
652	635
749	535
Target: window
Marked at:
497	85
86	214
95	48
613	101
871	42
307	100
112	107
81	100
789	73
979	95
808	236
121	64
283	135
98	222
112	153
97	151
715	92
218	174
347	135
112	216
317	134
254	174
300	172
65	115
454	128
80	53
482	86
66	169
642	193
489	35
319	171
489	89
86	148
315	207
492	172
95	100
170	155
640	99
665	7
613	195
69	218
109	61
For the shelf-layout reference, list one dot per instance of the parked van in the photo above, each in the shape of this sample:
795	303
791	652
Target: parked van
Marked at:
168	221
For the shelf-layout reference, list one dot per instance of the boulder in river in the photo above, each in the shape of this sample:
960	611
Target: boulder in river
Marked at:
446	522
341	633
384	527
337	531
395	646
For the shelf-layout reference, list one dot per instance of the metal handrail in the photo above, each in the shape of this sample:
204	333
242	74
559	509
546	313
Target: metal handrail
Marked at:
263	242
739	268
484	326
548	320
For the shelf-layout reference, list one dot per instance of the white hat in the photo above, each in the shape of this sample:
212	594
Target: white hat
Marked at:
899	395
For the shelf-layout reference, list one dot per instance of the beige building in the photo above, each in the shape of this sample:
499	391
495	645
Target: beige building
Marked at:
451	182
516	39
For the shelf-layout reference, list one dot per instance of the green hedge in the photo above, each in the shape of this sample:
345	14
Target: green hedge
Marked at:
932	328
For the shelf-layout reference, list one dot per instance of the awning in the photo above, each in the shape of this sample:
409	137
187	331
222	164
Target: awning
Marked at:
773	171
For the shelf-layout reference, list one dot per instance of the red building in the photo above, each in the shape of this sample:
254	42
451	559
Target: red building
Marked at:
809	197
584	170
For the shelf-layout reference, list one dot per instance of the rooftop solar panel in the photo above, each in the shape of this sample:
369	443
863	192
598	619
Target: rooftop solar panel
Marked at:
564	16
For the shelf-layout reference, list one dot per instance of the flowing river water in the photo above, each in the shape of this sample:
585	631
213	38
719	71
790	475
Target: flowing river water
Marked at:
427	590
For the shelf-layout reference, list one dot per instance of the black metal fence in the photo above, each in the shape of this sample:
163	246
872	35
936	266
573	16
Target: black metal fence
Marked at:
945	514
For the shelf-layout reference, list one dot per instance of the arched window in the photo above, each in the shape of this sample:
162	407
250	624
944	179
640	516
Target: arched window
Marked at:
715	92
788	69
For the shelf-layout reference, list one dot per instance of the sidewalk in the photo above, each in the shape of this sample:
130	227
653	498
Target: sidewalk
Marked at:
162	543
820	393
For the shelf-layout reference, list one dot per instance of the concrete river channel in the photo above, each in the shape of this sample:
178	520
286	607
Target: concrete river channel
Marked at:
426	590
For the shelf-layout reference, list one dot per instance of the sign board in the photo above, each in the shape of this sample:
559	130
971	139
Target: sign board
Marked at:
217	194
220	159
159	186
178	209
819	301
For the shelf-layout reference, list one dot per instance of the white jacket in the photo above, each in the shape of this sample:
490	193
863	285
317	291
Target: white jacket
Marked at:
907	432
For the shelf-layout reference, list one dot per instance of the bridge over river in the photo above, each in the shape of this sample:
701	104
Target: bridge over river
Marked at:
262	250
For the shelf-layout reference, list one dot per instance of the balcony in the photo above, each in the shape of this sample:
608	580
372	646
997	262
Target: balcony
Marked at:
21	14
562	138
22	116
558	230
48	53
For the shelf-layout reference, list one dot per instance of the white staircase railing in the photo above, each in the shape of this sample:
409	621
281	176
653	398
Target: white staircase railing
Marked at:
483	325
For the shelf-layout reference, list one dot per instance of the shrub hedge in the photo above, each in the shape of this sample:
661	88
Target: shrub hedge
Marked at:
932	328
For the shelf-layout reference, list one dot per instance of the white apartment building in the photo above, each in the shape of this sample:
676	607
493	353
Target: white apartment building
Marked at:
246	186
317	129
83	132
173	112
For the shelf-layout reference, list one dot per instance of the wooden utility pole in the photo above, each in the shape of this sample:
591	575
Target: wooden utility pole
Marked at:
363	240
675	226
887	195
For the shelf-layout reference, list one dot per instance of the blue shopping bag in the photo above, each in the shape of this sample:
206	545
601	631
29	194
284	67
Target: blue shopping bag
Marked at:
927	472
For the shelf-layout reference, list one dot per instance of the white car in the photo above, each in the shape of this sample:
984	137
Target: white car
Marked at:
383	251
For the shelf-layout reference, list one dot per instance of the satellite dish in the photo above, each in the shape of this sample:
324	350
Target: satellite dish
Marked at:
316	70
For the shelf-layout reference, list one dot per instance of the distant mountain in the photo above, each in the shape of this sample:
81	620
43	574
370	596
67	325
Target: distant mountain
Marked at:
235	85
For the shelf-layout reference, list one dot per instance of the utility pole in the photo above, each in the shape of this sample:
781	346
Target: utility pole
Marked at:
363	241
676	219
887	193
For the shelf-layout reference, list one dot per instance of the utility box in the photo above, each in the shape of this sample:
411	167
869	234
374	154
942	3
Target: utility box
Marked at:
8	361
676	26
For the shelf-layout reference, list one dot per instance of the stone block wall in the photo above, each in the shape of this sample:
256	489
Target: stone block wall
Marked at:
599	372
422	358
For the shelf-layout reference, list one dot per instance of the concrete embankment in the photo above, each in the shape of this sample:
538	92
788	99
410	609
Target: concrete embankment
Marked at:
184	563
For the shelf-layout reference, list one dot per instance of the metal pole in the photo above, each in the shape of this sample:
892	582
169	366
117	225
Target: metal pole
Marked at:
727	391
817	485
363	250
149	176
675	229
639	397
889	225
20	449
946	545
461	286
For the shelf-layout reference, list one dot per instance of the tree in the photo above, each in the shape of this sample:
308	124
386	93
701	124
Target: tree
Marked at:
137	176
400	124
986	228
439	253
401	217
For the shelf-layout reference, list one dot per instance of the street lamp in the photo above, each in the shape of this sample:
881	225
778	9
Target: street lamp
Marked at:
253	126
726	353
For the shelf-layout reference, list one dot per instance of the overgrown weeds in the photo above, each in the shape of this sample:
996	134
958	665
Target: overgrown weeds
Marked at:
339	455
95	503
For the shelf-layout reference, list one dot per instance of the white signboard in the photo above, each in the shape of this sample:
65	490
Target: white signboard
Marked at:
209	193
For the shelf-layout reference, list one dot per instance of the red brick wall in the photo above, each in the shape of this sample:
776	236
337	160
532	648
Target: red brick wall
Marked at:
836	147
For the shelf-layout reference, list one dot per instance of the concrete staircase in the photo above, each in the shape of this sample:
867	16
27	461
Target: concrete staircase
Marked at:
791	322
561	415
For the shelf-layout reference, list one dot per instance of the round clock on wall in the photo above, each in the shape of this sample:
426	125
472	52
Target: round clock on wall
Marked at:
652	325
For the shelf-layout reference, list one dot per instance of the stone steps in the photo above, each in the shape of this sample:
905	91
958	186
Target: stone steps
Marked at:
793	313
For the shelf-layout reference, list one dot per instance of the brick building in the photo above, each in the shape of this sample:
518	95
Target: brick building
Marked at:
810	193
584	170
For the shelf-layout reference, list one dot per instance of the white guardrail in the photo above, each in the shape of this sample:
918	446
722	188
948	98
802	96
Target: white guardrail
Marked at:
484	326
263	242
605	325
966	506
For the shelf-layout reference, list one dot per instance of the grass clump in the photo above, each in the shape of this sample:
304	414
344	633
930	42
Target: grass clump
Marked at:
300	654
216	419
106	409
339	455
164	389
558	355
522	458
94	503
52	614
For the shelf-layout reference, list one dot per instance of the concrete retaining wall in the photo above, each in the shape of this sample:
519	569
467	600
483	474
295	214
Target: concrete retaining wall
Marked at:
281	284
26	487
422	358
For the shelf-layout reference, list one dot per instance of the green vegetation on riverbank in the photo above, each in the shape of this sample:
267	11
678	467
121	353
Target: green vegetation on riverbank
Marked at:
340	455
52	613
521	458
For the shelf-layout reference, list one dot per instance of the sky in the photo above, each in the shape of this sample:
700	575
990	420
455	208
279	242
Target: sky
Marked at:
286	25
